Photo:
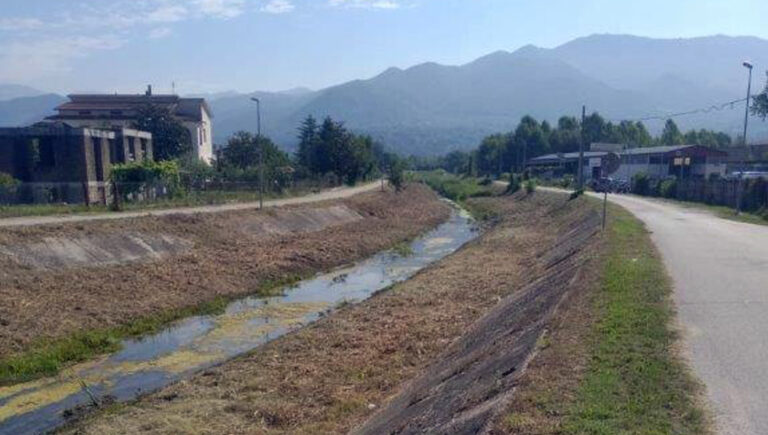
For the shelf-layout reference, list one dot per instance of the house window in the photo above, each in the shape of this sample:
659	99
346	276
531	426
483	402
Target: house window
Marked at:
655	160
143	149
84	112
116	112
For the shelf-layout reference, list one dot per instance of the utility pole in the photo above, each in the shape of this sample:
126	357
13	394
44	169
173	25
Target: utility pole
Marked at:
261	152
740	190
580	183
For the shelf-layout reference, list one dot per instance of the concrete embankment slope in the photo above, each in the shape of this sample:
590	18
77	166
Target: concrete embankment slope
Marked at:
59	279
472	381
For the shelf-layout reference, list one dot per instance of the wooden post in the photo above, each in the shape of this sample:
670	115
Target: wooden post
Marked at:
605	208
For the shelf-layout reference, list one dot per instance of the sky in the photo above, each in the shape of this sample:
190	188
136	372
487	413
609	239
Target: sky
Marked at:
246	45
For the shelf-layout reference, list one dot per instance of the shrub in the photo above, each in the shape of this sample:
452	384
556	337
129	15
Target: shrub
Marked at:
136	177
641	184
530	186
668	188
514	184
566	181
7	181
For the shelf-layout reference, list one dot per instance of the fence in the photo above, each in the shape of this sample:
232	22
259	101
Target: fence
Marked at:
119	195
725	192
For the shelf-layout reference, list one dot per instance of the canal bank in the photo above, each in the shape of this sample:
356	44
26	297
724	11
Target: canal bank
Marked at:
200	342
335	374
57	312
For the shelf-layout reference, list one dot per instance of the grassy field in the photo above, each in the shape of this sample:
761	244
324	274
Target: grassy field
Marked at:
453	186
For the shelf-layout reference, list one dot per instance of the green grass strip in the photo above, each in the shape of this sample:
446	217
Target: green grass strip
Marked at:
635	381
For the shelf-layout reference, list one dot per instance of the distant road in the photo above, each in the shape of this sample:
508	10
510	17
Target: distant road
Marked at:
337	193
720	273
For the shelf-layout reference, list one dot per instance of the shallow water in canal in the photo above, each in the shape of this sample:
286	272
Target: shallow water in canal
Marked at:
196	343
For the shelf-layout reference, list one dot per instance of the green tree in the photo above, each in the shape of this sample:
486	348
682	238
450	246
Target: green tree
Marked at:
760	103
671	134
170	139
308	137
243	151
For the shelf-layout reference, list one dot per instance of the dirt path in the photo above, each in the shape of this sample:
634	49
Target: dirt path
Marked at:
333	375
337	193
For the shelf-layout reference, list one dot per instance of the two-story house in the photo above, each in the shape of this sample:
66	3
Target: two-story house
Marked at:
116	111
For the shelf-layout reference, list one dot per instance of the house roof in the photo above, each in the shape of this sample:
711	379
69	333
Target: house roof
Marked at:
553	158
185	108
666	149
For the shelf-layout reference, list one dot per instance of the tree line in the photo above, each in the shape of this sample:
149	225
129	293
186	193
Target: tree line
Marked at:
509	152
328	153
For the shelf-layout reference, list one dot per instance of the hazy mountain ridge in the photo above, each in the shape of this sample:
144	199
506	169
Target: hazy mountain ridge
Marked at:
432	108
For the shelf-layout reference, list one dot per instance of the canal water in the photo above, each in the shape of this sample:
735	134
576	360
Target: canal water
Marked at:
196	343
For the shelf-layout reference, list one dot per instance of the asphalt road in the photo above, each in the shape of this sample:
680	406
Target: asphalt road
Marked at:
337	193
720	273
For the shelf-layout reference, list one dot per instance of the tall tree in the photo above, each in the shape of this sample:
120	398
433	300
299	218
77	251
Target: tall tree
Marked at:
671	134
308	136
170	139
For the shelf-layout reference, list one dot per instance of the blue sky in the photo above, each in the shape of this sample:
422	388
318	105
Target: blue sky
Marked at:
246	45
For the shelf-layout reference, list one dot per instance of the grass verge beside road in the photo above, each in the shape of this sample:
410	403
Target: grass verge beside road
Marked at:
611	364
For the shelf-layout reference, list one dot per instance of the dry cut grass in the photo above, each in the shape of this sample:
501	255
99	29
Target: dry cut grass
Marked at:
332	375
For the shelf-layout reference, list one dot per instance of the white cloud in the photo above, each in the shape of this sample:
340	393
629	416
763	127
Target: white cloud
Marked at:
278	7
34	60
20	23
220	8
368	4
160	32
77	30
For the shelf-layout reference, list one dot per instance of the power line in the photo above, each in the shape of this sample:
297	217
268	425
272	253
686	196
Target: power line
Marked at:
708	109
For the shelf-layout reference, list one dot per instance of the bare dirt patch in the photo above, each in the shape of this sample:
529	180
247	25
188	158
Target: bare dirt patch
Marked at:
333	375
230	254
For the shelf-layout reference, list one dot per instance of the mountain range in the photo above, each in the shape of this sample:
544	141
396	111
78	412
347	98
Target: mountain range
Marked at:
432	108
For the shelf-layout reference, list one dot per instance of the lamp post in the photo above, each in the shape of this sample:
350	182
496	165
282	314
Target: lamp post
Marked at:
261	151
748	66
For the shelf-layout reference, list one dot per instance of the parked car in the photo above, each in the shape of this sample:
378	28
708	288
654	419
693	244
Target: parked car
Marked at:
610	185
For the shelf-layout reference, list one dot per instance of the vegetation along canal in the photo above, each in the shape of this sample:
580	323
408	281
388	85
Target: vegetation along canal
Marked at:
197	343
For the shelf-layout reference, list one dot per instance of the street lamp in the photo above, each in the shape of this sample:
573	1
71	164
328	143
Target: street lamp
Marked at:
261	151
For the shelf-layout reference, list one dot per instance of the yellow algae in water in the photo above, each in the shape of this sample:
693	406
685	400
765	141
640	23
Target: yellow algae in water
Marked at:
175	362
438	241
9	391
37	399
238	327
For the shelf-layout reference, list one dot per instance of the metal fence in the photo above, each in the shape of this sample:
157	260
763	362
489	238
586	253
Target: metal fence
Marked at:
118	195
753	193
